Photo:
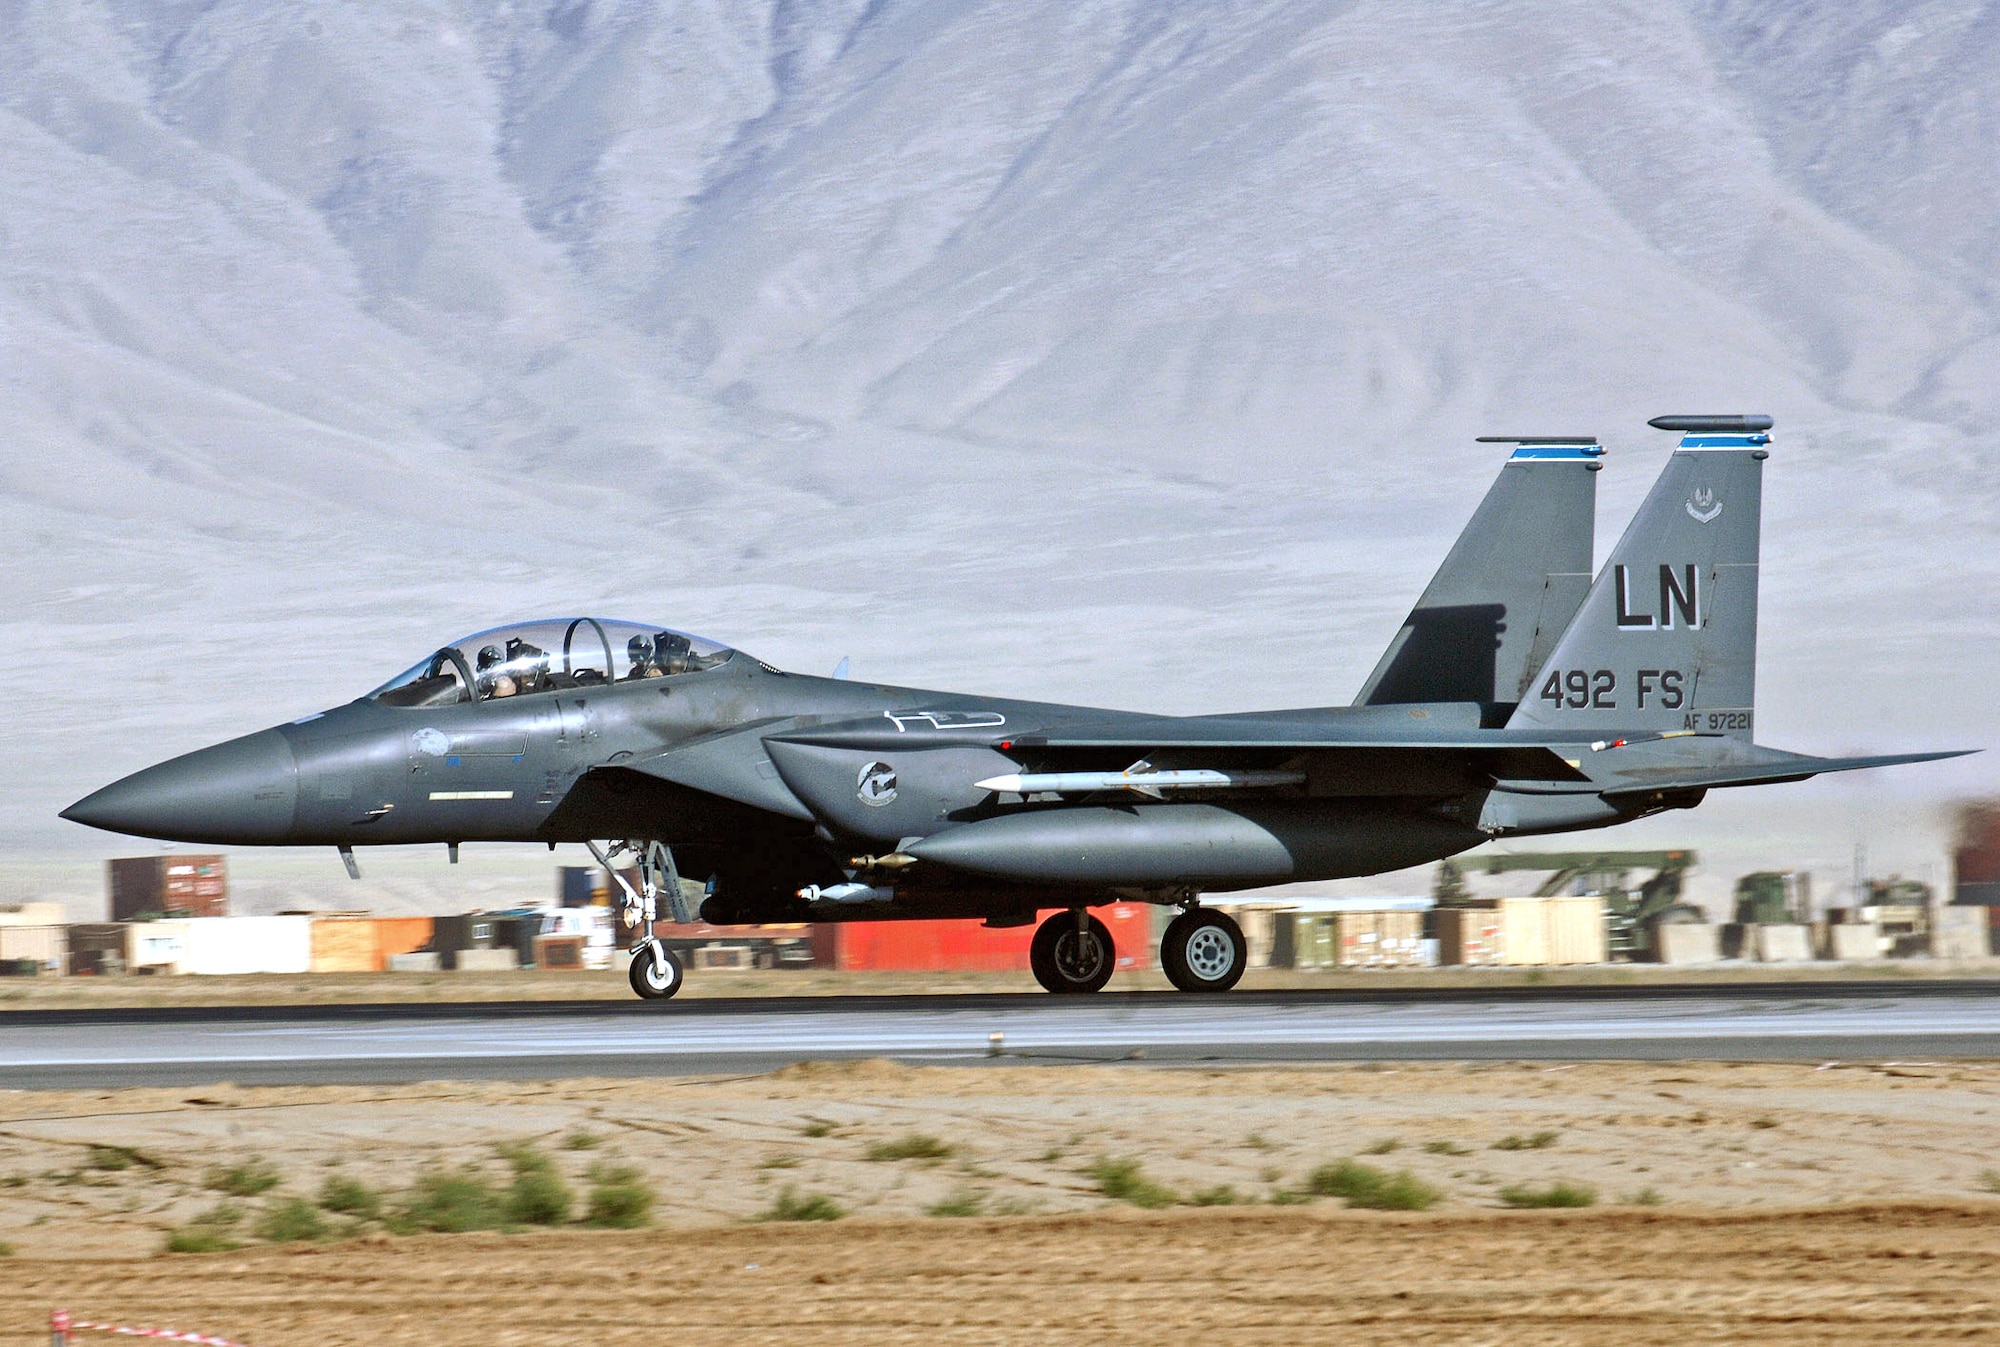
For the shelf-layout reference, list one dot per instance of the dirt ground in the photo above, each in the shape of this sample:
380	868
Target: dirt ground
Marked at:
550	985
1780	1203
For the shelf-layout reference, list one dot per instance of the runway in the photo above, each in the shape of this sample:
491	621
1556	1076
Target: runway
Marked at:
382	1044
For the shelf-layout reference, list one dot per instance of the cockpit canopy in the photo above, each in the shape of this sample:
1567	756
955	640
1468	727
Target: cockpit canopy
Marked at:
547	656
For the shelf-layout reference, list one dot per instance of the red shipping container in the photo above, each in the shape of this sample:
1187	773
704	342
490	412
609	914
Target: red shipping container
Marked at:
968	946
1978	858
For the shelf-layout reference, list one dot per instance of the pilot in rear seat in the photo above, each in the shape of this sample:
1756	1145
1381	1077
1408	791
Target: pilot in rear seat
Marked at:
528	663
671	652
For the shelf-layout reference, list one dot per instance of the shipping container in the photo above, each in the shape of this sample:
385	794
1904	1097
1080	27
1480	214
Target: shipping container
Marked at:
220	945
1468	935
353	943
1523	931
234	945
343	944
45	946
96	948
485	960
583	886
1960	933
400	935
1976	862
516	930
155	946
1846	940
1782	942
1677	942
1343	939
1379	939
559	951
182	886
1577	933
725	958
465	931
1314	940
967	946
1563	929
781	945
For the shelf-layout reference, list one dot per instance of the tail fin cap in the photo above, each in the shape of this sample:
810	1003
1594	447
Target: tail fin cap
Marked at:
1713	425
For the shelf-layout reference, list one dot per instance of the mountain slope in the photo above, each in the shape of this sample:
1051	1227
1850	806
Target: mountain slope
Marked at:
1117	351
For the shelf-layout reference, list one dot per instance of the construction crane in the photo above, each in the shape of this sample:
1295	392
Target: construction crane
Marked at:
1630	914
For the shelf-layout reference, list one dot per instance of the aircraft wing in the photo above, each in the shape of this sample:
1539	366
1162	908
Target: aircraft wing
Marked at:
1369	755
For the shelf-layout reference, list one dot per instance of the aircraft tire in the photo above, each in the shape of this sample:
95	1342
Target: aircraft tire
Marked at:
1204	951
1053	955
650	979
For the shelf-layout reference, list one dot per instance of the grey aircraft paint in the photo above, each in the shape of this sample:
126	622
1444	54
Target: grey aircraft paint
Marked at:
802	798
1508	587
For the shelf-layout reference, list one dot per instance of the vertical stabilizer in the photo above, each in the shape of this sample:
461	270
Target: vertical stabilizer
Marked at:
1506	590
1666	642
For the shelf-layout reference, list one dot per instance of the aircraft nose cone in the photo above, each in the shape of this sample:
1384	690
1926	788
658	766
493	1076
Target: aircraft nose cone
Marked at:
242	792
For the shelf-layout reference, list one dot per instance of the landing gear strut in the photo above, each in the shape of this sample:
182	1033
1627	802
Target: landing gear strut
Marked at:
1072	953
655	973
1203	951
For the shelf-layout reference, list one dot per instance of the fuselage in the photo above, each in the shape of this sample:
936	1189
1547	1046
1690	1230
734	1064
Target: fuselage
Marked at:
573	763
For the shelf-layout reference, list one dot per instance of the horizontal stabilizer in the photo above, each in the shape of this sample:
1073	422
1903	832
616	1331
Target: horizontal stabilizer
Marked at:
1791	767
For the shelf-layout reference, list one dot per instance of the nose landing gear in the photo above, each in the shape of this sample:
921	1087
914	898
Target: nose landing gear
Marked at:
1203	951
655	973
1072	953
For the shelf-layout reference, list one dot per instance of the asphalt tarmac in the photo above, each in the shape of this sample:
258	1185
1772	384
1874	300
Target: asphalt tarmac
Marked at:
530	1041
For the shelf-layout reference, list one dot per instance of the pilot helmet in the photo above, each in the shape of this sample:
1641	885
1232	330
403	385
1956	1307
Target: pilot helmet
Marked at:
488	657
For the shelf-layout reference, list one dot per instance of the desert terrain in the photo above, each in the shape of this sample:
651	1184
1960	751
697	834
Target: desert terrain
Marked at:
1831	1202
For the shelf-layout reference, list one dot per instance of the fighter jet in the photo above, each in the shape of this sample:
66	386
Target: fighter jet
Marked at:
1516	699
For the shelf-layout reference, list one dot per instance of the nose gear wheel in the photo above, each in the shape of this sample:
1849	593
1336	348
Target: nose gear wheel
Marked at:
656	973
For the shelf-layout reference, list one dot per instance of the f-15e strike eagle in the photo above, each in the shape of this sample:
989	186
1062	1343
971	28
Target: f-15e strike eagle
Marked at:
1519	697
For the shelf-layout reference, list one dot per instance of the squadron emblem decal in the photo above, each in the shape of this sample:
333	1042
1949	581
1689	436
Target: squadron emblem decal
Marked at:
1702	506
877	784
431	742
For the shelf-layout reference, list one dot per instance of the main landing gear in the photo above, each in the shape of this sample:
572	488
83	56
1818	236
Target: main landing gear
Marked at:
1201	951
1204	951
1072	952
